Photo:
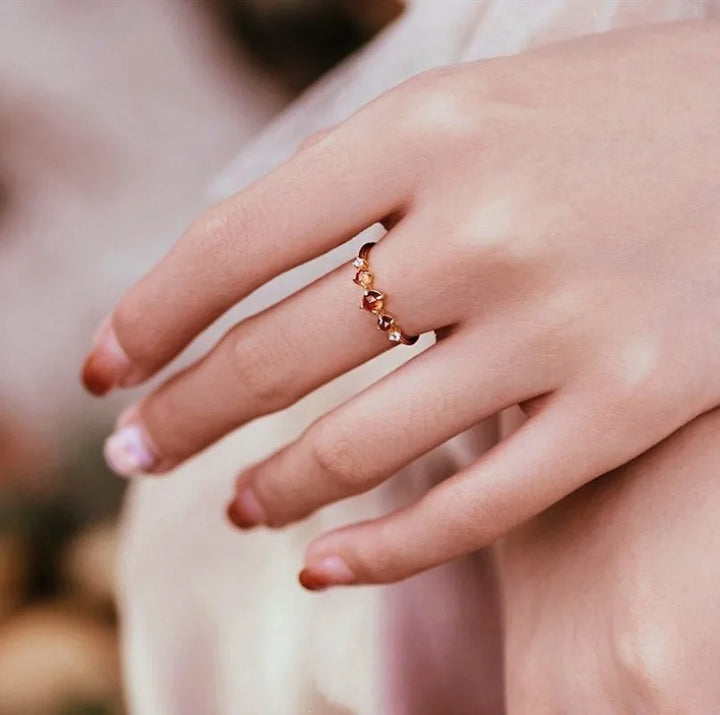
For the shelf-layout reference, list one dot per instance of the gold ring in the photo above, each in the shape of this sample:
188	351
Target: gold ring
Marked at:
374	300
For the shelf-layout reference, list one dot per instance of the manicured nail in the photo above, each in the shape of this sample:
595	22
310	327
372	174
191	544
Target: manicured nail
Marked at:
327	572
108	366
127	452
245	511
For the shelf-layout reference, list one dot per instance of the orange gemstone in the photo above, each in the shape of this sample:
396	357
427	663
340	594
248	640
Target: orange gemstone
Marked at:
373	301
364	279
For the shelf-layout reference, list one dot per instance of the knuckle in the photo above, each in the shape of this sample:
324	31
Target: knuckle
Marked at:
424	82
635	395
439	100
338	457
224	223
260	369
486	240
247	213
215	224
499	234
634	367
441	110
646	656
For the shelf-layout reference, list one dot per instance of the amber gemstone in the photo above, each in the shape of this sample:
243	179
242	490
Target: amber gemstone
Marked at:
373	300
385	321
364	279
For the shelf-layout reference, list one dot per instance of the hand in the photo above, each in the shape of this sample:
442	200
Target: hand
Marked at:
554	216
611	595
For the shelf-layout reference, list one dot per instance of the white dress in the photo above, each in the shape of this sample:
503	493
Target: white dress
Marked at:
214	622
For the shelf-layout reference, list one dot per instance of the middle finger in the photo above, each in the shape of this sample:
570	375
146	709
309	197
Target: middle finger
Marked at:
452	386
271	360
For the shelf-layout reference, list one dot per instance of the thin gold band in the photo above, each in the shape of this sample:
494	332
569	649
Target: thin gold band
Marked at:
374	300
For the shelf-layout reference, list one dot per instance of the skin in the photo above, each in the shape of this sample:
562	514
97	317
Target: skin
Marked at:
553	216
611	596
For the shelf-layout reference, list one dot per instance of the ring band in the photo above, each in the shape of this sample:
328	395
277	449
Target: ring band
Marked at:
374	300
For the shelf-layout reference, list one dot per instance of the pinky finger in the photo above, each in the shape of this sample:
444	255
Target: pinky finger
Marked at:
551	455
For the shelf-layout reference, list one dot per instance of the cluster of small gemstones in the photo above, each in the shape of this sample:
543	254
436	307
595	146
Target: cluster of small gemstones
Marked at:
374	302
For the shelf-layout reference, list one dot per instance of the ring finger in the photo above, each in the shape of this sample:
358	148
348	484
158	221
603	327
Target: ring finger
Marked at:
271	360
454	385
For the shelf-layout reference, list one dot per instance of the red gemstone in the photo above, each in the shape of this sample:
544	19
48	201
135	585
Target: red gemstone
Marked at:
385	322
373	300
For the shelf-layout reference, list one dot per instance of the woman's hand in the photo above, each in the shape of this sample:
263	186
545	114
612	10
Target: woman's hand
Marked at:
611	597
555	216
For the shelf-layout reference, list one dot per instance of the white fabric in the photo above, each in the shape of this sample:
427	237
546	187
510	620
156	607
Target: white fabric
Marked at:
213	620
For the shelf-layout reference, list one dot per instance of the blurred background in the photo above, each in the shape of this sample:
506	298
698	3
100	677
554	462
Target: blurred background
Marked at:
114	118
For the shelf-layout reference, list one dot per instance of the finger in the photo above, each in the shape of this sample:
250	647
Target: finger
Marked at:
434	397
550	456
269	361
320	198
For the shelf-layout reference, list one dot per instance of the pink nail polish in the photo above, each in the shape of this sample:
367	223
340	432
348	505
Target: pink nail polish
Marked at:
127	452
328	571
245	511
108	366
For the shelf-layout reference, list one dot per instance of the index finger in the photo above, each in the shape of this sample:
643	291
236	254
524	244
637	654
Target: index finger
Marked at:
318	199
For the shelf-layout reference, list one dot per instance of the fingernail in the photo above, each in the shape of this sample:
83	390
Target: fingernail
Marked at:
127	452
330	571
245	511
108	366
